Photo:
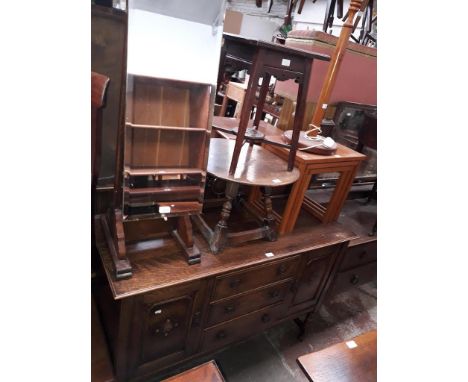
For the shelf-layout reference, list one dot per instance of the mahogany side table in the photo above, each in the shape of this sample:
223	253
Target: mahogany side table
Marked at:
346	162
263	60
257	167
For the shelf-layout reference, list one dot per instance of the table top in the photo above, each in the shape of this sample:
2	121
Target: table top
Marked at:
160	262
249	41
343	153
207	372
256	167
233	123
344	362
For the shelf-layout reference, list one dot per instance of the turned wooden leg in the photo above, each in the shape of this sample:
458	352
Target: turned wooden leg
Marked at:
219	238
269	220
184	236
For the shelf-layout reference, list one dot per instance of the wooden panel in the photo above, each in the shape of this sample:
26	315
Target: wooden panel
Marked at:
315	268
108	57
230	308
359	254
207	372
159	110
238	282
165	326
341	363
163	265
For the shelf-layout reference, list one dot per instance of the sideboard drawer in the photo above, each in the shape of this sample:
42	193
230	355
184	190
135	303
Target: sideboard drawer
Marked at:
230	308
355	276
359	254
242	327
242	281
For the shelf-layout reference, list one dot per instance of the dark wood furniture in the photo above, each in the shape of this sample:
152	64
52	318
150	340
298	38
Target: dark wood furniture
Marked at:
207	372
263	60
256	167
99	84
348	361
168	312
101	365
345	162
368	138
109	57
162	148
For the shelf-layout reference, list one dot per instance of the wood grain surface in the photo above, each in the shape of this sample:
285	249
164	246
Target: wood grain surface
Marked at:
207	372
159	263
340	363
256	166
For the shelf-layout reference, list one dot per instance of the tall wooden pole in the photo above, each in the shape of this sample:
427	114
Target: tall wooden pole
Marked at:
334	67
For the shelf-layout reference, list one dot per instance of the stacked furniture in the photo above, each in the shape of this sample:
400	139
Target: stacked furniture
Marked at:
169	312
162	148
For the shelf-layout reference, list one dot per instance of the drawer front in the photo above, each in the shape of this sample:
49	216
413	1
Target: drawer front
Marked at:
242	281
355	276
230	308
240	328
359	254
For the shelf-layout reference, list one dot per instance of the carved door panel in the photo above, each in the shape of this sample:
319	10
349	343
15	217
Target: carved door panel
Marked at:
166	326
315	272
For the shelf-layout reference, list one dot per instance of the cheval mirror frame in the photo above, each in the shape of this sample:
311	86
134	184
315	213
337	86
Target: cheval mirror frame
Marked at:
163	139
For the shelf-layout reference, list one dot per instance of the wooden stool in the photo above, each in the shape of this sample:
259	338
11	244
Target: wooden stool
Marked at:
257	167
263	60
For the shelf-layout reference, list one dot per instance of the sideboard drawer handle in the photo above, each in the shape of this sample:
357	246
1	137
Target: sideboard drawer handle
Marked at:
220	335
266	318
282	269
362	254
229	309
354	279
274	293
234	283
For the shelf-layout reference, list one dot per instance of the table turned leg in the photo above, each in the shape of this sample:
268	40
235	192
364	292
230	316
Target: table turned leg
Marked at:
269	221
219	238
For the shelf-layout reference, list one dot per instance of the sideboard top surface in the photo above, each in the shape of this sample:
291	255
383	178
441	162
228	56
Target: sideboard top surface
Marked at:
159	263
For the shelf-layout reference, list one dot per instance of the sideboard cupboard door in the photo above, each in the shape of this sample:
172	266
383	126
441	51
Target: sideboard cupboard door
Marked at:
166	326
315	268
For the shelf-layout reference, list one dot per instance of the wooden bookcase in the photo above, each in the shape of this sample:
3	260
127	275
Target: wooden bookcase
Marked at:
166	144
164	131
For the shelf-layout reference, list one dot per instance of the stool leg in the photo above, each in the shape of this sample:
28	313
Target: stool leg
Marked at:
269	220
219	238
300	114
261	99
246	107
